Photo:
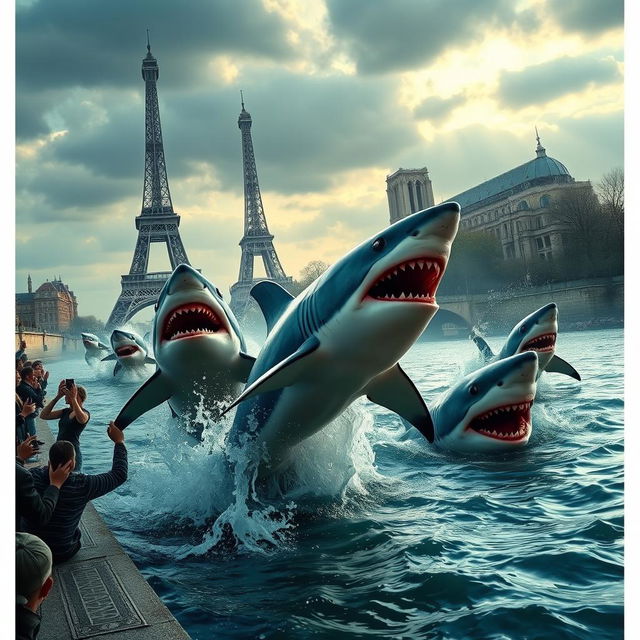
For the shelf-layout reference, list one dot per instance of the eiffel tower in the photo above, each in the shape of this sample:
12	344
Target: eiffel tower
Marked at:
257	241
157	221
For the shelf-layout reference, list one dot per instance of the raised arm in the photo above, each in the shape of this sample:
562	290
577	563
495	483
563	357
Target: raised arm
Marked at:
47	413
102	483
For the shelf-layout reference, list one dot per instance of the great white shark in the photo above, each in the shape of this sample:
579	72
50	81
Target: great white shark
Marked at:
342	337
199	349
130	351
489	409
537	332
94	348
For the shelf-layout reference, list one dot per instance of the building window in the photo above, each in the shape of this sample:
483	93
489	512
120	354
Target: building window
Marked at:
522	205
509	251
543	245
419	194
545	201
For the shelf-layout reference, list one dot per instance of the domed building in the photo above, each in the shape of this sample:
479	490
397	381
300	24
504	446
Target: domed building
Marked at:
52	307
516	207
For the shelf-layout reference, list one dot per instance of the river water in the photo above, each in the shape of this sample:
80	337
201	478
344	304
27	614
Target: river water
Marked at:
375	533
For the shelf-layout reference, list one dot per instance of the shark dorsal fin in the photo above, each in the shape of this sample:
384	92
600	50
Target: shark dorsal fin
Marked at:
111	356
272	299
482	345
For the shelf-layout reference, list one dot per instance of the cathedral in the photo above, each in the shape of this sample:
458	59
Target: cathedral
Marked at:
515	206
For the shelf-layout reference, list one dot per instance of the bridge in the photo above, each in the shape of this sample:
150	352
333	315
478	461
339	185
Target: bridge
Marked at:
577	300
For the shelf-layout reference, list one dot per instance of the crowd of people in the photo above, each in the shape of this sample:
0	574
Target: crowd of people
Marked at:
51	498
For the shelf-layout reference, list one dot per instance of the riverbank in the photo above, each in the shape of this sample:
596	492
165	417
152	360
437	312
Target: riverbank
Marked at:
100	591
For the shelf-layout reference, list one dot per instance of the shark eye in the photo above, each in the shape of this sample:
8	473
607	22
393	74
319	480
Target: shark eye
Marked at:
378	244
499	383
522	329
218	292
414	233
473	389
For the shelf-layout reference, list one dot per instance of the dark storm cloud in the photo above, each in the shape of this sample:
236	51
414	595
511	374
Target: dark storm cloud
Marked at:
305	131
587	16
68	43
392	35
550	80
435	108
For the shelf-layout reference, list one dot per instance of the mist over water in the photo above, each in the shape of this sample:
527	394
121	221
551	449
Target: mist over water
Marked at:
373	531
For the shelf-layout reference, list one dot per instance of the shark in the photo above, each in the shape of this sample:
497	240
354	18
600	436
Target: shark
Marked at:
343	336
537	332
129	350
94	348
488	409
199	348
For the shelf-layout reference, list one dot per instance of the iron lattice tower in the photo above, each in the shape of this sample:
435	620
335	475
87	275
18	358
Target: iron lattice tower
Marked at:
257	241
157	221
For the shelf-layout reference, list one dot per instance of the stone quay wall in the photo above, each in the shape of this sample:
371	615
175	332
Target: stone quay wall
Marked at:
42	345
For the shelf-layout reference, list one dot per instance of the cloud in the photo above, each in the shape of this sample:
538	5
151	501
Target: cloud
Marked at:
93	43
545	82
436	108
390	35
587	16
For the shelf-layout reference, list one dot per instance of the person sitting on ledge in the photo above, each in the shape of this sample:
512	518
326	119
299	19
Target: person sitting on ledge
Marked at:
73	419
29	503
29	390
33	583
62	533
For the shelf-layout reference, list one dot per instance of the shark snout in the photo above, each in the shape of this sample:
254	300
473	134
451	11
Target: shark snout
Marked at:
441	221
183	278
522	367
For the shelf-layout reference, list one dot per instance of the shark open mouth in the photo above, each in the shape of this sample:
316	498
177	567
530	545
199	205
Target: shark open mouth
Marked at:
541	344
190	320
509	423
88	343
127	350
412	281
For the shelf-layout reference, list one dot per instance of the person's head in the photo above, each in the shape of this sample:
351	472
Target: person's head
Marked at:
27	374
19	364
33	570
61	452
38	368
27	363
82	395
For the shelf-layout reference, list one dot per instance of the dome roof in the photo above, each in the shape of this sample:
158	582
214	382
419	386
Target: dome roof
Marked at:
540	170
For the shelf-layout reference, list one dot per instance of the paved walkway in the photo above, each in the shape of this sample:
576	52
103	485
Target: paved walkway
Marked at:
100	590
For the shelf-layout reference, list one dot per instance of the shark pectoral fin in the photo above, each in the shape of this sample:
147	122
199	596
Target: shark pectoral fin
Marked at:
153	392
111	356
173	413
282	374
117	368
394	390
244	366
149	360
481	343
272	299
558	365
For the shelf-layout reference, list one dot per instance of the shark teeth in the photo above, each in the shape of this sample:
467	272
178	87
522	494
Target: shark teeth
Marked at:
542	344
509	422
412	281
191	320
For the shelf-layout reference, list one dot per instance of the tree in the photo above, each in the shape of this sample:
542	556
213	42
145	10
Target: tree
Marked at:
87	324
308	274
610	190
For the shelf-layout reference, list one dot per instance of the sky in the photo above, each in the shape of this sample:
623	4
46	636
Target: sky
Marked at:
341	92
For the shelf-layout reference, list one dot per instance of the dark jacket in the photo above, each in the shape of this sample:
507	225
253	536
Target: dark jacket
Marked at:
27	392
29	503
62	534
27	623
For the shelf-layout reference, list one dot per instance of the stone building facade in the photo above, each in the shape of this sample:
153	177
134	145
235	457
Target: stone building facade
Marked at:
408	191
52	307
515	207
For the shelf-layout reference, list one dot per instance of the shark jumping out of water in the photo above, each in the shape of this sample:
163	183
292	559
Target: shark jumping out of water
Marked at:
94	348
489	409
342	337
199	350
130	351
537	332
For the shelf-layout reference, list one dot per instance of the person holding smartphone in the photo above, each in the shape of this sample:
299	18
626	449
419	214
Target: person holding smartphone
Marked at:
73	419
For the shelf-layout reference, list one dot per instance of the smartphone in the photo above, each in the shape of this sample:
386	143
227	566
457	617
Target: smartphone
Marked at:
68	383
